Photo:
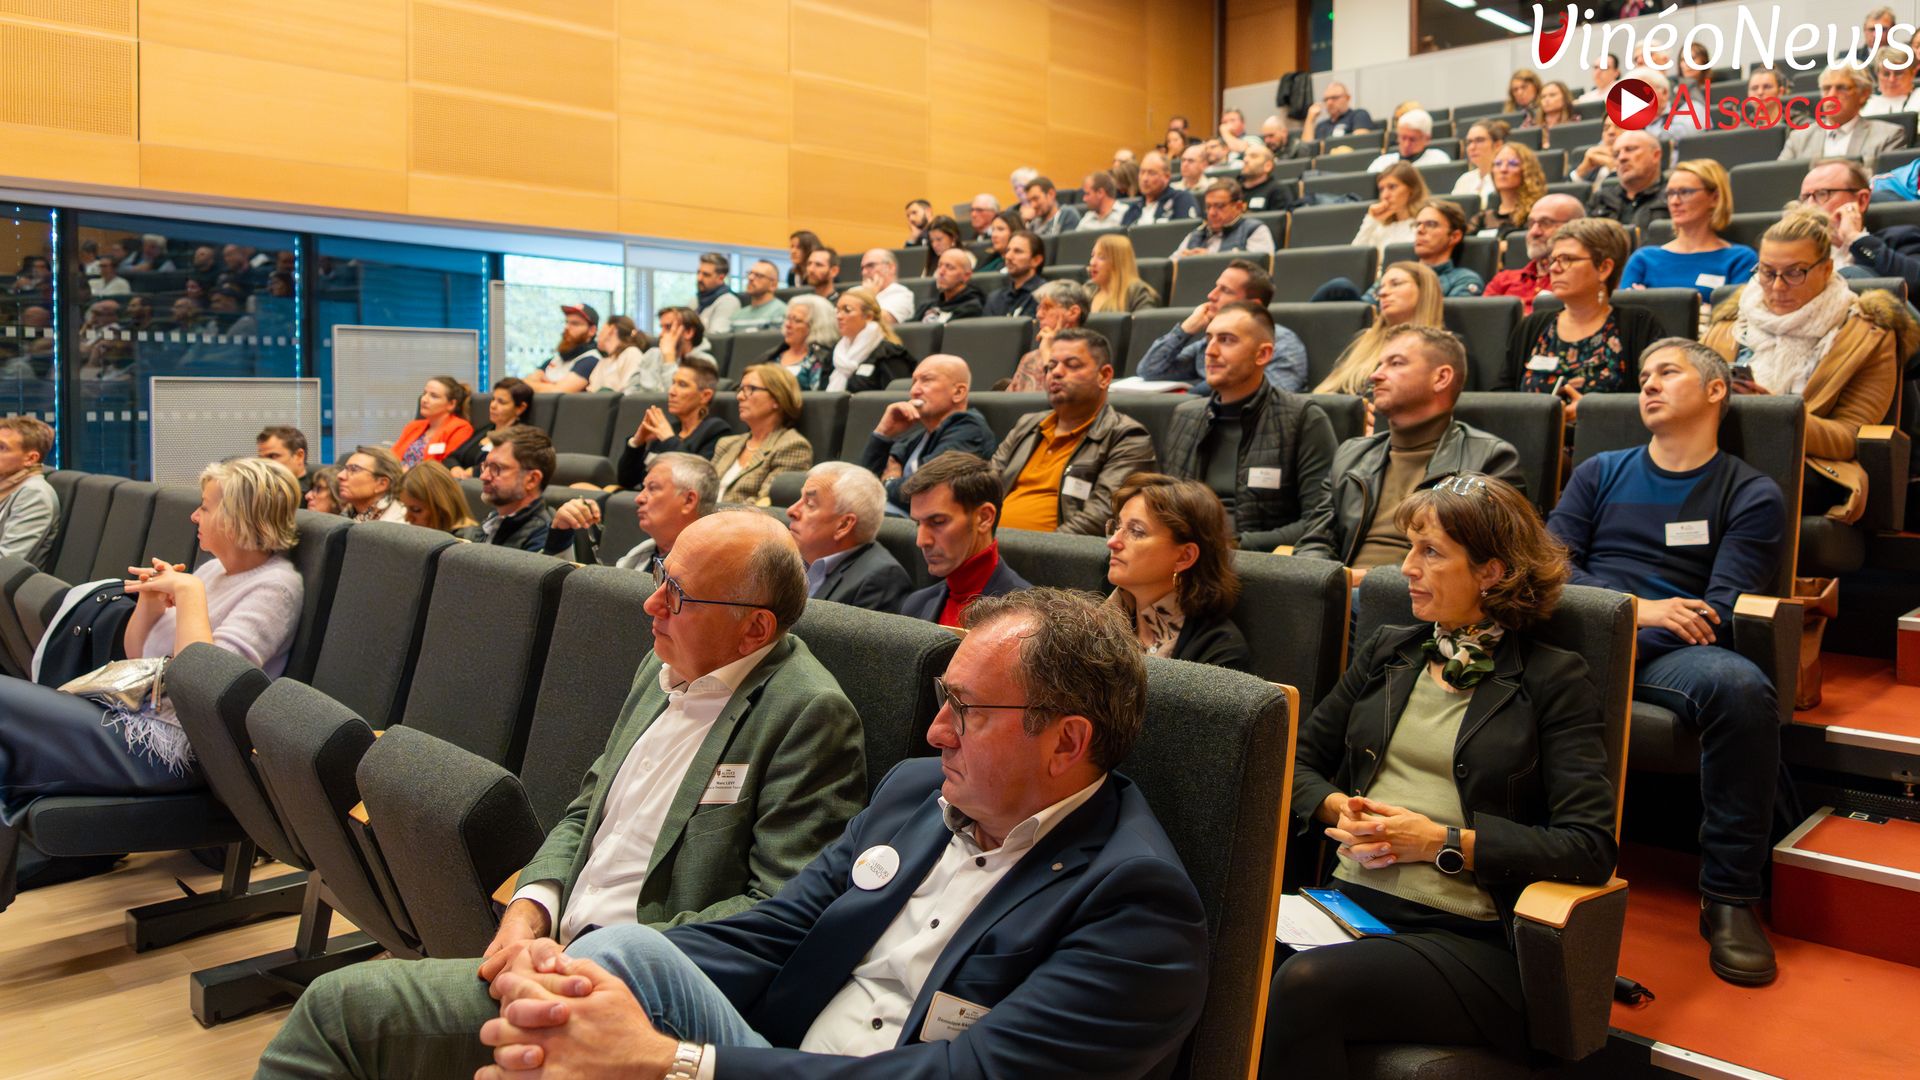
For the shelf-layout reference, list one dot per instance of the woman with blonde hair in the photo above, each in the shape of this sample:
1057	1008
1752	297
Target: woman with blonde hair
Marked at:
868	355
1555	108
770	407
1523	92
1403	191
434	501
246	599
1115	276
1408	295
1518	183
1700	202
1801	330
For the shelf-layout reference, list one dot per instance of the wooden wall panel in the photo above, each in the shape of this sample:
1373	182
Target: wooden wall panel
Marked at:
732	123
205	101
355	37
1263	41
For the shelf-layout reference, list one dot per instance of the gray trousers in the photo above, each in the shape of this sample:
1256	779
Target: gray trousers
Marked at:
386	1018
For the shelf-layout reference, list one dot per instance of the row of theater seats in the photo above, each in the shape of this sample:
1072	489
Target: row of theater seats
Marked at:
405	781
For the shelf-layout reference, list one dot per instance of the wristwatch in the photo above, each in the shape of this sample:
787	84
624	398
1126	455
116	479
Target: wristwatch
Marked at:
686	1061
1451	860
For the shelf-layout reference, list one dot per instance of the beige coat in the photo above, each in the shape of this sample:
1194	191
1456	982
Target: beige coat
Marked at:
1853	386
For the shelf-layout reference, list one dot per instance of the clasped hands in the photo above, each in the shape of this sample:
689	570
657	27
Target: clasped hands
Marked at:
562	1016
161	583
1377	835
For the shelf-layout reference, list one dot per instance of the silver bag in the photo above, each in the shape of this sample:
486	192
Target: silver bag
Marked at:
129	686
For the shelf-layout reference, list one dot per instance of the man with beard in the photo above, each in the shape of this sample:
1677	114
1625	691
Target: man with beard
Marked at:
1527	282
574	358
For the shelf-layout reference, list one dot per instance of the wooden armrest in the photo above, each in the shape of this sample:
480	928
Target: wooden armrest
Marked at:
504	894
379	732
1875	431
1283	549
957	631
359	813
1758	606
1552	902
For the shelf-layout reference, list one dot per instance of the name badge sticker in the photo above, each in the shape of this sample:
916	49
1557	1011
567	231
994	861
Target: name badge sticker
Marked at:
1075	487
437	448
1268	479
863	370
949	1017
1710	281
725	787
875	867
1490	234
1686	533
1543	363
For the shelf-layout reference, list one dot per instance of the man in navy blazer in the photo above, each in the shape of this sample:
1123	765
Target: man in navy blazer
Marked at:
833	524
955	502
1012	909
1159	201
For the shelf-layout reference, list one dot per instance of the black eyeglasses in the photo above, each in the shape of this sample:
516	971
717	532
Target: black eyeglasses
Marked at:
961	708
677	597
1794	275
1825	193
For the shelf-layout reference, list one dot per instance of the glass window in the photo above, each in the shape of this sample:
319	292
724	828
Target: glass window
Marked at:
536	290
29	372
372	283
156	297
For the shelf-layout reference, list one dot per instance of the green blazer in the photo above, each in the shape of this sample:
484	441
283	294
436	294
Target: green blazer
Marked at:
806	778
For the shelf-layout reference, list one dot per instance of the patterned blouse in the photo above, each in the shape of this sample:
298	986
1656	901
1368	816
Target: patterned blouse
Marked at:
1600	359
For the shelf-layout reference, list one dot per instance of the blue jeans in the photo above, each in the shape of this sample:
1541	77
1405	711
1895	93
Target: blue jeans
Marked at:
1731	705
677	995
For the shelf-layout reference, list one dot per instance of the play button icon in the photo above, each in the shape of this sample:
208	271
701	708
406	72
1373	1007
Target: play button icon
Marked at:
1630	104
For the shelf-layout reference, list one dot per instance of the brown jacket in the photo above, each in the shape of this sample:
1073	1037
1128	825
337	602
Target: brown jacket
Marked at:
1853	386
786	450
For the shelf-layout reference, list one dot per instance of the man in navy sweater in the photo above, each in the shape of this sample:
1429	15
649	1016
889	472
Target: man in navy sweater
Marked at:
1687	528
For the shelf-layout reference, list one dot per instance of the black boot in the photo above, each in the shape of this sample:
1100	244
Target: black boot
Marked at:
1738	947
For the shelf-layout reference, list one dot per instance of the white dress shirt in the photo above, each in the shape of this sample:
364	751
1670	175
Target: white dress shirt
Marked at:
1837	139
887	981
1881	104
897	301
1432	155
608	891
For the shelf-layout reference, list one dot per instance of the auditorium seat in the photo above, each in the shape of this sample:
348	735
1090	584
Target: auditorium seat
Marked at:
541	413
115	544
583	422
1485	109
1347	413
1277	222
626	420
367	662
1886	214
1159	274
1677	310
1534	425
823	414
1065	272
172	534
1326	226
91	825
1441	177
1148	326
454	824
1161	239
593	469
619	528
1768	432
1153	410
1767	185
1299	272
750	347
920	339
920	286
1193	276
721	346
1116	327
992	347
1567	960
1361	185
1344	164
885	664
1324	328
1485	322
1365	140
1734	146
990	281
1074	248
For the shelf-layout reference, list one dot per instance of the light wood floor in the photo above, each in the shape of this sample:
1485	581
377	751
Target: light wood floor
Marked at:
75	1001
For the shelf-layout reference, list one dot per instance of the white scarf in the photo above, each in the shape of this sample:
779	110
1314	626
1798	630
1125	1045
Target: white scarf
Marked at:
850	353
1786	348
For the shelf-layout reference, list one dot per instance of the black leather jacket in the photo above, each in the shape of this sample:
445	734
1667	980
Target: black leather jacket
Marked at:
1346	505
1530	762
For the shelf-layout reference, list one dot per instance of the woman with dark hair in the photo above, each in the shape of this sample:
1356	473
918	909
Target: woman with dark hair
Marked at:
621	344
1170	562
800	244
1591	344
323	492
442	427
1126	179
1000	233
508	406
1457	761
943	234
1177	143
686	425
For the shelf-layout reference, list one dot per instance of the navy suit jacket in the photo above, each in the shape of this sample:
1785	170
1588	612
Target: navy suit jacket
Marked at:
1181	205
871	579
927	603
1091	953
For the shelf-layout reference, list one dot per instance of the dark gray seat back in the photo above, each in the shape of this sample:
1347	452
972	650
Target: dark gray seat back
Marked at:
582	422
124	533
992	347
372	636
171	534
1299	272
1325	329
1534	424
885	664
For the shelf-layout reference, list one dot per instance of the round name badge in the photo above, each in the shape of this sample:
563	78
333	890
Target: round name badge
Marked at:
875	867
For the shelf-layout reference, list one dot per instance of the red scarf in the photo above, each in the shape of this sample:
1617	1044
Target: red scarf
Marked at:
966	581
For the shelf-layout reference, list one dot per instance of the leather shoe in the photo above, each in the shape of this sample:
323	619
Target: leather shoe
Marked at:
1739	951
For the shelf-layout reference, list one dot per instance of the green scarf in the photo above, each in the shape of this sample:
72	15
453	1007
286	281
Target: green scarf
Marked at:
1466	652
